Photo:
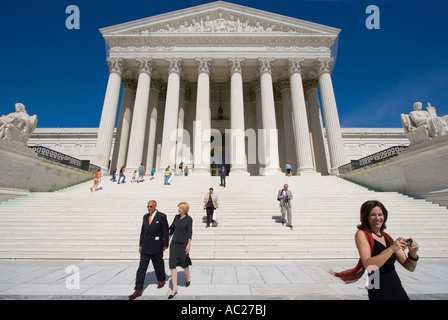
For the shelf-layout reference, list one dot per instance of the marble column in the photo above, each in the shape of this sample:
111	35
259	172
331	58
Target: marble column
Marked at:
272	163
107	123
300	119
180	148
153	113
288	124
261	154
331	117
316	127
169	136
202	126
124	122
238	139
138	130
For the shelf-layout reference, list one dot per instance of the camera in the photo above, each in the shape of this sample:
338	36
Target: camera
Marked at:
408	242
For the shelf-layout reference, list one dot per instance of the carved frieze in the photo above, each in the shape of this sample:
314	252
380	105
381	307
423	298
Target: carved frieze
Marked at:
222	21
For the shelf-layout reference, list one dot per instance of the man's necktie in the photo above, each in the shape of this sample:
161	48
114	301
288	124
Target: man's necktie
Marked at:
150	218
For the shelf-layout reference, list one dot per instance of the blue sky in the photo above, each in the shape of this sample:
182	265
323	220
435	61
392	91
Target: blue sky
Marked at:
61	75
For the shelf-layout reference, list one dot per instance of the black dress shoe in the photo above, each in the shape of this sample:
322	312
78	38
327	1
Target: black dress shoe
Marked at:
136	294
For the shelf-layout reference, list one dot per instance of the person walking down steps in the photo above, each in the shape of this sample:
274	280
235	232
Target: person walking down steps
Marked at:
284	196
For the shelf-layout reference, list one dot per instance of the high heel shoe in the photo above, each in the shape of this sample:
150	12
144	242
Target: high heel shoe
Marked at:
172	296
187	284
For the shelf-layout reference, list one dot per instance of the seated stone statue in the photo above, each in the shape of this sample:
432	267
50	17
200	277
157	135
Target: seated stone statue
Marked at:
421	125
17	126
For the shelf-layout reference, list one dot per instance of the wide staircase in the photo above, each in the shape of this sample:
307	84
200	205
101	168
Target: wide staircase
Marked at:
76	223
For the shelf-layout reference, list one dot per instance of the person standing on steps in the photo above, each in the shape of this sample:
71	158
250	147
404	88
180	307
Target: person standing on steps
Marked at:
154	237
223	174
284	196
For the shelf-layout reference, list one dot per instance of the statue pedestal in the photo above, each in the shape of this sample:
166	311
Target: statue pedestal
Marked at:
420	170
22	171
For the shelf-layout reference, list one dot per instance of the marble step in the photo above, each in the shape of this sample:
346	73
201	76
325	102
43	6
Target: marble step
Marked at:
77	224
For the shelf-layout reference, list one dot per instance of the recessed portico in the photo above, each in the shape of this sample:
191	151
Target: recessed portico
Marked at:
217	69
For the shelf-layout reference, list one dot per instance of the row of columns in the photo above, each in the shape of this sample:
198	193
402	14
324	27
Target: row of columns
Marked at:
146	100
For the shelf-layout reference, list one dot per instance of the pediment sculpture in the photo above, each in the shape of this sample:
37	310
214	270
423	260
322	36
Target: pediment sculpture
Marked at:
17	126
422	125
227	23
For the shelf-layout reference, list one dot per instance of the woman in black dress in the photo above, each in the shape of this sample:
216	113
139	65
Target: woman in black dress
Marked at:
378	251
181	231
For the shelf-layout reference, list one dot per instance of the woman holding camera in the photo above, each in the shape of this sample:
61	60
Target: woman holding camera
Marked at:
378	253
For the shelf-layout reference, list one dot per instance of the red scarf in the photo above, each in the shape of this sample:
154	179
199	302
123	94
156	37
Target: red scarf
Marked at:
353	275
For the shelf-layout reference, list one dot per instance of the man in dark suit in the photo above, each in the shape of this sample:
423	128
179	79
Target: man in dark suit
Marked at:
223	174
153	241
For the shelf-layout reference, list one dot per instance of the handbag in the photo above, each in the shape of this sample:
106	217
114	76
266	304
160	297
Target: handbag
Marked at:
215	215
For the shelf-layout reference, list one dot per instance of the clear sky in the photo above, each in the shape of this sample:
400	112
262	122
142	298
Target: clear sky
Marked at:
61	75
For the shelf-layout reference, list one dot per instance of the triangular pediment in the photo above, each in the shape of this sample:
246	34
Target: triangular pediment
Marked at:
219	18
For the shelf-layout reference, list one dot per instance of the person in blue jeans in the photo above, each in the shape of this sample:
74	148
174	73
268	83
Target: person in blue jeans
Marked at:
167	176
114	175
121	175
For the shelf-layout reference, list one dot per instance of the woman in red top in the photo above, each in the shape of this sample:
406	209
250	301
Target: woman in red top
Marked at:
378	252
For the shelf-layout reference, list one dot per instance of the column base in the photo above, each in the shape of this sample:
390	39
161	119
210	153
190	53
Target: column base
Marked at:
334	172
272	171
105	172
308	174
201	171
128	171
239	172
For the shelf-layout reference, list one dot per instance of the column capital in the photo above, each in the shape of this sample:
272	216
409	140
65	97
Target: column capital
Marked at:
236	65
323	65
310	84
156	84
283	84
265	65
117	65
145	65
294	65
204	65
185	86
175	65
129	84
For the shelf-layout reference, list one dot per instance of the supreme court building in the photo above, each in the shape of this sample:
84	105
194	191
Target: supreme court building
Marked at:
217	84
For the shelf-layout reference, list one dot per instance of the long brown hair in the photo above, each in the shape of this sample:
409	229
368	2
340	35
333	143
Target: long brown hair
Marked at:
365	213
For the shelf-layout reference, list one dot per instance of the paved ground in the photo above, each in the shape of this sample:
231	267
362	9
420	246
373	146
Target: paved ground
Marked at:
211	280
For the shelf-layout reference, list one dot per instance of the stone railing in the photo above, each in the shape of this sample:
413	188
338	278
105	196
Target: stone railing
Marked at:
371	159
55	156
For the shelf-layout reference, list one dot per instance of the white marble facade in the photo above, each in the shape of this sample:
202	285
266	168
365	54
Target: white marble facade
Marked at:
80	142
219	83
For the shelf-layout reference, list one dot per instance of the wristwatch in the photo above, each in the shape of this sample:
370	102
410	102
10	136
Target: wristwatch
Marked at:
413	259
